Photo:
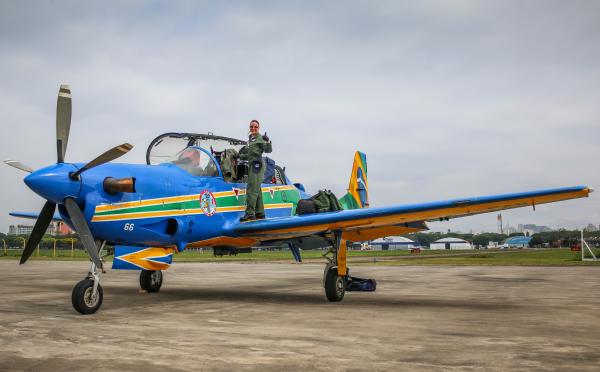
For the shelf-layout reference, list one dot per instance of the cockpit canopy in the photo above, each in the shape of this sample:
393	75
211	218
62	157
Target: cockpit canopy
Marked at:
167	147
205	155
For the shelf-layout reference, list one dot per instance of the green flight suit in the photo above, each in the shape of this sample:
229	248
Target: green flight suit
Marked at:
256	172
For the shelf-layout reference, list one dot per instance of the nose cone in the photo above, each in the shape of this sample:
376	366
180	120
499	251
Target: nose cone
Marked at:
53	182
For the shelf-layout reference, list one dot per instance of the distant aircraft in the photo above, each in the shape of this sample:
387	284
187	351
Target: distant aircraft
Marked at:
180	199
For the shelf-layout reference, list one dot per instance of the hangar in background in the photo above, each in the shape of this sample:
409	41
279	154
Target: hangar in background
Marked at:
451	243
393	243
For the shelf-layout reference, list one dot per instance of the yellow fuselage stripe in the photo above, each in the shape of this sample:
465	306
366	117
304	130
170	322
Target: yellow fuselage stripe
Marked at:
169	213
183	198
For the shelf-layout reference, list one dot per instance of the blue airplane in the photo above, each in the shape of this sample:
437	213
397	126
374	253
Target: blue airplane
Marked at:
181	198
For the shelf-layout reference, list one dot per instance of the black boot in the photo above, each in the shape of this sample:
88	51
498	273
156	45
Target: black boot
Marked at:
247	217
260	216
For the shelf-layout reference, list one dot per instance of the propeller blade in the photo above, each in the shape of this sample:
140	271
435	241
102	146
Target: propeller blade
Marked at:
18	165
63	121
83	230
39	229
109	155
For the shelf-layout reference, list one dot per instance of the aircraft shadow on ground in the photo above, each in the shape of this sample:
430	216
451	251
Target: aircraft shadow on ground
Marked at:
129	297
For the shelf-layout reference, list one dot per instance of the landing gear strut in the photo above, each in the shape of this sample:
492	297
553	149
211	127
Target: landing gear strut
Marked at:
336	277
151	280
87	295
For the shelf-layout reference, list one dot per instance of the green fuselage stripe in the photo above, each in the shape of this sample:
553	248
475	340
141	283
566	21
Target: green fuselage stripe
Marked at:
281	196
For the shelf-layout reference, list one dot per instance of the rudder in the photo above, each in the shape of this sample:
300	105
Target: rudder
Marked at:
358	188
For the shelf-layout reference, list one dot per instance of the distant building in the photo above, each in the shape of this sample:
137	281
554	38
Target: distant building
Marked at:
393	243
62	229
517	242
20	229
55	228
451	243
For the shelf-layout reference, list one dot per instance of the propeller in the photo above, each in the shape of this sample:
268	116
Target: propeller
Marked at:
18	165
63	127
39	229
109	155
63	121
82	228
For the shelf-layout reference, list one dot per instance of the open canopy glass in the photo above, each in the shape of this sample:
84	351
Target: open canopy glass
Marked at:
167	147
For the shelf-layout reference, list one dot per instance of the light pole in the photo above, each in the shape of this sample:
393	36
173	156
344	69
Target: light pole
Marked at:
72	246
5	251
54	248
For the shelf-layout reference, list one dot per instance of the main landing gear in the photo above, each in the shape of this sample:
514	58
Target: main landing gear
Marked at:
336	277
151	280
87	295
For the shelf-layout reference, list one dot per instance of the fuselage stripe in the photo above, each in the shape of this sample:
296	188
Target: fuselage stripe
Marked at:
183	198
169	213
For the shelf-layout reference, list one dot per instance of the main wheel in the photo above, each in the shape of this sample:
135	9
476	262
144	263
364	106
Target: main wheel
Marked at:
83	299
335	285
151	280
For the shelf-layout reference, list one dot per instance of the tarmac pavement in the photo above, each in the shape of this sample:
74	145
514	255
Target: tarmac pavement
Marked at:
274	316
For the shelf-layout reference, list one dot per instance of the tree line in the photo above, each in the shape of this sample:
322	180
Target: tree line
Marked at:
62	242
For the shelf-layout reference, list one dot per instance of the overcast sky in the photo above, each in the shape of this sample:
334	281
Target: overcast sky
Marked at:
447	99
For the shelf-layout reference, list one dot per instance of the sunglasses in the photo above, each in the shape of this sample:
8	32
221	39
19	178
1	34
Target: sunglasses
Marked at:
253	126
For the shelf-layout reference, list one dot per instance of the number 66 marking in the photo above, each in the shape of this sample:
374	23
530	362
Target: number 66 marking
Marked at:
128	227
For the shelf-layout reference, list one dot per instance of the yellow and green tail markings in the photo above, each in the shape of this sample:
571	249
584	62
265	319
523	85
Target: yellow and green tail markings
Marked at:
358	187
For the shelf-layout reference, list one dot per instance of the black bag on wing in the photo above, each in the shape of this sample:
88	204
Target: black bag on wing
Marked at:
306	206
323	201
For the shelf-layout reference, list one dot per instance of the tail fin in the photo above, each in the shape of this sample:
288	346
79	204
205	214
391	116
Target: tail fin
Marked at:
358	189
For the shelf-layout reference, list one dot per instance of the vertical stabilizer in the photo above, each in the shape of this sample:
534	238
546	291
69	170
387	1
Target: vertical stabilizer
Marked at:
358	188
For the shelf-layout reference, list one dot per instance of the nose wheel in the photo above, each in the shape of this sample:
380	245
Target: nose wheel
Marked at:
87	295
151	280
87	298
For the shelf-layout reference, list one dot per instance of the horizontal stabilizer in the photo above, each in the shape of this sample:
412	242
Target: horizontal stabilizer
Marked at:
34	216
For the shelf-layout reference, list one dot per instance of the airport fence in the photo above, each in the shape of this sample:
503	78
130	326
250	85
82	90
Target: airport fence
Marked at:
48	247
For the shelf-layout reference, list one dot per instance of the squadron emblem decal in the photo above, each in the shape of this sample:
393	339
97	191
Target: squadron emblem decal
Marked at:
208	204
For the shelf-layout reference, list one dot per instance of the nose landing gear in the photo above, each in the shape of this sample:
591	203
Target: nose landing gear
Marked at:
87	295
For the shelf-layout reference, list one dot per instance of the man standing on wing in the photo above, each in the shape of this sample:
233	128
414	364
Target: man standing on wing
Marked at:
257	144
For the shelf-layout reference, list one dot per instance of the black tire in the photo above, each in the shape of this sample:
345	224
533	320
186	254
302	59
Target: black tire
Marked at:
82	299
151	280
335	285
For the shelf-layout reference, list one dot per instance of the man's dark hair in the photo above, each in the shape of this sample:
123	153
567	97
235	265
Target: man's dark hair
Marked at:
255	121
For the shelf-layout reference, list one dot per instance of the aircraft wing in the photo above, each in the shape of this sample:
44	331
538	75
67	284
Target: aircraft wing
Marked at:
370	223
34	216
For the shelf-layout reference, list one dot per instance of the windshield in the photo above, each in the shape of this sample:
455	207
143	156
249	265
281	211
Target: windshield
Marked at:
195	161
